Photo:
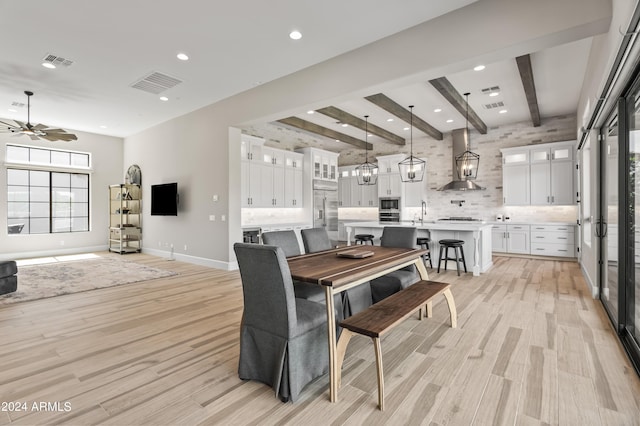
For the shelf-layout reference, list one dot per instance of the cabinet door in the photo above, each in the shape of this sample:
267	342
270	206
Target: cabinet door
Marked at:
264	196
344	192
356	193
245	179
518	239
395	185
515	185
370	195
293	187
498	239
384	186
278	186
562	192
540	183
317	166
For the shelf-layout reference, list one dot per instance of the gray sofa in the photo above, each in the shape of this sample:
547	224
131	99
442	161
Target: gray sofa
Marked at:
8	278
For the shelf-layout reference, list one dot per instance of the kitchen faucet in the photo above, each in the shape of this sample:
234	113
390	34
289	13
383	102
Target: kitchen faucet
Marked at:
423	212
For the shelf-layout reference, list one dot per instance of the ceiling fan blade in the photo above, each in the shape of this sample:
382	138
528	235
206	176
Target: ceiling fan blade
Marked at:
39	127
64	136
9	125
50	138
21	124
34	137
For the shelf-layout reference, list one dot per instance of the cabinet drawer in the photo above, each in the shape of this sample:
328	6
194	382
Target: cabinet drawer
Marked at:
517	227
552	237
553	228
545	249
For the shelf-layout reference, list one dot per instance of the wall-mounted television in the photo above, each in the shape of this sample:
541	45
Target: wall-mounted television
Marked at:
164	199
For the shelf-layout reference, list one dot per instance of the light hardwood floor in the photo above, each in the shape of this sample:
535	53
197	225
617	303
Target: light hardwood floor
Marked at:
531	348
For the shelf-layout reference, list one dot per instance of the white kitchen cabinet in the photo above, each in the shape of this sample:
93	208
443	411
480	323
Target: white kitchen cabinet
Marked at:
551	174
270	177
518	239
389	185
515	185
499	238
369	195
415	193
553	240
351	194
510	239
344	190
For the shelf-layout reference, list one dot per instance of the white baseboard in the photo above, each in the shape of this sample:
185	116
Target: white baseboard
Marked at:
595	291
202	261
56	252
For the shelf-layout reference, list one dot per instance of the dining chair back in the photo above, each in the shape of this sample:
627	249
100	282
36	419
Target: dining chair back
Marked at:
283	339
286	240
315	239
385	286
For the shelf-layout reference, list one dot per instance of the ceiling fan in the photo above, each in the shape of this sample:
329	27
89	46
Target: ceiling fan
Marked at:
36	131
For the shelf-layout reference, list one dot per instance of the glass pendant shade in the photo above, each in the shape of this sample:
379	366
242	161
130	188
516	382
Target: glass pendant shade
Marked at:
366	173
412	168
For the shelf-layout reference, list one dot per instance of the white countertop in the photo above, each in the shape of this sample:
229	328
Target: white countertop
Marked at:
517	222
448	225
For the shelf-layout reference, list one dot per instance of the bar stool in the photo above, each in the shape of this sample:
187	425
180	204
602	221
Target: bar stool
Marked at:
423	242
364	239
459	256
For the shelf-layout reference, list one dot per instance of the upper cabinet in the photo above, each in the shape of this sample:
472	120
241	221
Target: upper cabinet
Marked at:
324	164
351	194
390	184
539	174
270	177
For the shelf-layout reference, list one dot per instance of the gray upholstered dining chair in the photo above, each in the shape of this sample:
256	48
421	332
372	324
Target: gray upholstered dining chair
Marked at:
386	285
355	299
283	339
288	242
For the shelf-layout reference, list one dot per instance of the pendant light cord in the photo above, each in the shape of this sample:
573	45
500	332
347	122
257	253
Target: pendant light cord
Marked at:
366	139
411	132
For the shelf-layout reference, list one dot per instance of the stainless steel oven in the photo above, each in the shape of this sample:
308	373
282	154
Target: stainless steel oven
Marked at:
389	210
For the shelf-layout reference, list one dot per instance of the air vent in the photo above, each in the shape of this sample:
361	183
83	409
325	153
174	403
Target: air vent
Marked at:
17	104
488	90
156	83
58	61
493	105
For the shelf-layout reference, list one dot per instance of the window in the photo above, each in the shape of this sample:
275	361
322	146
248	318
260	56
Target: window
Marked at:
47	190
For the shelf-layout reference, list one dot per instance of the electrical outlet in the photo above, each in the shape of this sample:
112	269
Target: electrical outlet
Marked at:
212	217
185	247
223	218
215	198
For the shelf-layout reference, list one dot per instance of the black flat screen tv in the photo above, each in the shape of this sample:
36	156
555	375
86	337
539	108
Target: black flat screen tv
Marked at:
164	199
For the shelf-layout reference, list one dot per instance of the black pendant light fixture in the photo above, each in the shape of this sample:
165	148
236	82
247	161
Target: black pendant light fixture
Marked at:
411	168
467	163
367	173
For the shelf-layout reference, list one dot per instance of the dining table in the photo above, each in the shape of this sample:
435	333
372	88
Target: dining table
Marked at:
342	268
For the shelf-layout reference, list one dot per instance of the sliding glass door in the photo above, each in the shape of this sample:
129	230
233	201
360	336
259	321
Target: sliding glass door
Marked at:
631	298
607	225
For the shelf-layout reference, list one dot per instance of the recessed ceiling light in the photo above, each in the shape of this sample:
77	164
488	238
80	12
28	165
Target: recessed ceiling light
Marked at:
182	56
103	127
437	110
164	98
493	94
344	125
370	135
479	67
48	65
389	120
295	35
311	111
450	121
502	111
13	110
406	128
337	140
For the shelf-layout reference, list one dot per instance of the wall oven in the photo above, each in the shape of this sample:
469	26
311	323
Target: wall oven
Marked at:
389	210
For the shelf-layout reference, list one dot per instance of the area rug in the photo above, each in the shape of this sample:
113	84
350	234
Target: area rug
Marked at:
55	279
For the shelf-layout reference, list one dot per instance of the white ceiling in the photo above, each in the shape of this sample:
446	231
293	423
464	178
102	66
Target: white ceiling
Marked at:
233	46
558	75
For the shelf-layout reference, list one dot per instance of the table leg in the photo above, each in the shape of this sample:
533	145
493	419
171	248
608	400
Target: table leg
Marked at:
424	275
331	332
476	253
348	228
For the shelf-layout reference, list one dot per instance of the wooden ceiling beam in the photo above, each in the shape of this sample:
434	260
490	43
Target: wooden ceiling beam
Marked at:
446	89
352	120
404	114
307	126
526	75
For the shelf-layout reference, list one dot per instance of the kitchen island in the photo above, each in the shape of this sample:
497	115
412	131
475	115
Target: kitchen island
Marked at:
476	237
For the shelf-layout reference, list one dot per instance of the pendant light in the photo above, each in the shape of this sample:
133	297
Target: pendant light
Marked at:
411	168
367	173
467	163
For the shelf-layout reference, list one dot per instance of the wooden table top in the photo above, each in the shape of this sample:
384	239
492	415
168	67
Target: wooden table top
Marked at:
327	268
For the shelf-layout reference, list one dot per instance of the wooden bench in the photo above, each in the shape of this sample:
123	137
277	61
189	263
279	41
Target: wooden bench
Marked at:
381	317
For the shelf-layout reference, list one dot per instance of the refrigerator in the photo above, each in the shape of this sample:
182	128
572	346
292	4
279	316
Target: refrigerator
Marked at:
325	207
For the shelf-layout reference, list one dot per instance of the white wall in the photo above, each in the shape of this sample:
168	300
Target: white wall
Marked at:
106	156
603	51
196	151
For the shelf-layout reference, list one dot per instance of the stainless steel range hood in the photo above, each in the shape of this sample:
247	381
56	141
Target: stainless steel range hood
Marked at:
460	144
